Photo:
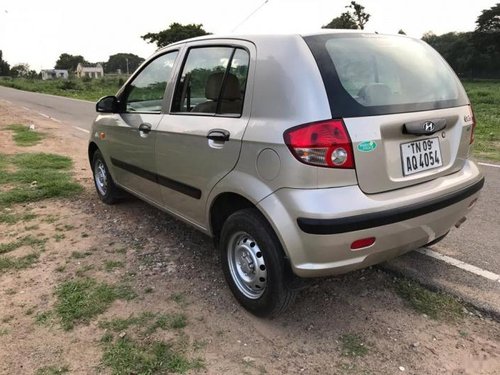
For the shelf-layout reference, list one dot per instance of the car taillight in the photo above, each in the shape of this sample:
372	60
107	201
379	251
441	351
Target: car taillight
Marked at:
473	126
324	144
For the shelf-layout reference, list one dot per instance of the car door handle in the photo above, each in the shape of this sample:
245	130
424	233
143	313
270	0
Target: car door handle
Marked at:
218	135
145	128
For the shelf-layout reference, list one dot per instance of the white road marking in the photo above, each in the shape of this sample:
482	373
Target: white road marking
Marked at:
6	101
459	264
47	116
490	165
26	108
81	129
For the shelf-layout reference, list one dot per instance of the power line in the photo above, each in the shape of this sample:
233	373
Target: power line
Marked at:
250	15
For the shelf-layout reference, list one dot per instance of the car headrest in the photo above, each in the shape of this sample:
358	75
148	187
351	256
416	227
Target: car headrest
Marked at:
375	94
231	90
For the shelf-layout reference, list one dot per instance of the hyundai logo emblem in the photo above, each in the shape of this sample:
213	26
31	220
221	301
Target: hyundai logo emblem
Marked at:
429	126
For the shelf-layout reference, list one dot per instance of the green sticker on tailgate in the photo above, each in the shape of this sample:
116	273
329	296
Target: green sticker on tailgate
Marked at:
367	146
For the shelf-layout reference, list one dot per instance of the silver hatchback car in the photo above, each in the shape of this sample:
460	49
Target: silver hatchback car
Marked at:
301	155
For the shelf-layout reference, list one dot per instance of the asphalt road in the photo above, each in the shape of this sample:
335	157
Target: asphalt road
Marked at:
77	113
476	242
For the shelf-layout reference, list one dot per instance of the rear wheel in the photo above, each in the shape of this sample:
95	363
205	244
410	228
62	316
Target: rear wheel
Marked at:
254	264
106	189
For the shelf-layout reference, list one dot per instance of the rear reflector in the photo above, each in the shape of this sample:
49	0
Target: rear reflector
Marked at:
324	144
473	126
362	243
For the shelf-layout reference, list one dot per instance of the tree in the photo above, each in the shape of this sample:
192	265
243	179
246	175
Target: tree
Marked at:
345	21
487	34
354	18
401	32
489	20
472	54
4	66
20	70
125	62
360	16
175	33
69	62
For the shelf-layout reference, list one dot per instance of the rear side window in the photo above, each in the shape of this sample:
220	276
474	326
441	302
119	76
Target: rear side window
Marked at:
370	74
213	81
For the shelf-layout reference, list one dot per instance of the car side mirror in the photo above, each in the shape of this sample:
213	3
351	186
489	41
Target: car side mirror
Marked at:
107	104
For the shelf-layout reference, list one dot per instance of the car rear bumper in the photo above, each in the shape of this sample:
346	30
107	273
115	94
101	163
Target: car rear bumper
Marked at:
318	226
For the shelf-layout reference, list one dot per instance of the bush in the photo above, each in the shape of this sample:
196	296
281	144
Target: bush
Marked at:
68	85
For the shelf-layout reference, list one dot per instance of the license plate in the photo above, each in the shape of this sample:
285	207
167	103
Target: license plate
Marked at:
419	156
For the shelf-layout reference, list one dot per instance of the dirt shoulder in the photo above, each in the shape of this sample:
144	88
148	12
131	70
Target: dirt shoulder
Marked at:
127	285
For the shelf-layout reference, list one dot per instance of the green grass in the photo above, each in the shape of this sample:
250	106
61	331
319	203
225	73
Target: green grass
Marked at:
179	298
110	265
42	318
52	370
23	241
147	322
35	176
80	272
4	331
121	324
126	356
435	305
7	319
166	321
9	263
7	218
25	137
353	345
80	300
485	99
80	255
60	268
74	88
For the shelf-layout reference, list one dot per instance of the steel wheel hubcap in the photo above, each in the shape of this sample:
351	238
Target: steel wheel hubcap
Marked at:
247	266
101	177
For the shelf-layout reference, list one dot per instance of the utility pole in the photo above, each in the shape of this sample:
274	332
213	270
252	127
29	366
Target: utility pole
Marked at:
126	59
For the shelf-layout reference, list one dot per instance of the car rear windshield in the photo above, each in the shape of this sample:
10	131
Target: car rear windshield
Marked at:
369	74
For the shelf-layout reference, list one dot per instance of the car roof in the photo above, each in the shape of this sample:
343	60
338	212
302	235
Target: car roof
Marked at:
269	37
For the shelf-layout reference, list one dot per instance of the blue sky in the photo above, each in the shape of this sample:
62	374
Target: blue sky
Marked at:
37	32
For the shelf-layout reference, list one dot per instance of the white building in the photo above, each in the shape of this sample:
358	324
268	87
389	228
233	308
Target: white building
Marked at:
54	74
90	70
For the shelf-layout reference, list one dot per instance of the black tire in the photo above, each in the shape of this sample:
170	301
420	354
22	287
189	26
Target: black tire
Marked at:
239	232
106	189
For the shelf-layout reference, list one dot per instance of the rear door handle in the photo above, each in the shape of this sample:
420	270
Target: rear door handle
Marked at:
218	135
145	127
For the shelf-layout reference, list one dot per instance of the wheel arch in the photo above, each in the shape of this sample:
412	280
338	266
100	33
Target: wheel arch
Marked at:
227	203
223	206
91	150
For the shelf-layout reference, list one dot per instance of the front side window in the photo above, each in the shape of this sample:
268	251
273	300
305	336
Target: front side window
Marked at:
145	93
213	81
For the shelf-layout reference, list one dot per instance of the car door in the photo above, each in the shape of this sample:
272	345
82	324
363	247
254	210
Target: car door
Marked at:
199	141
131	138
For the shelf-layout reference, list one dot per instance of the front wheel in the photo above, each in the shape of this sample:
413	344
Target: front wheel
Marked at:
106	189
254	264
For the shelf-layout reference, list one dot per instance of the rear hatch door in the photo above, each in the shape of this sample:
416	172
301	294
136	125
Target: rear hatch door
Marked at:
395	151
406	112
